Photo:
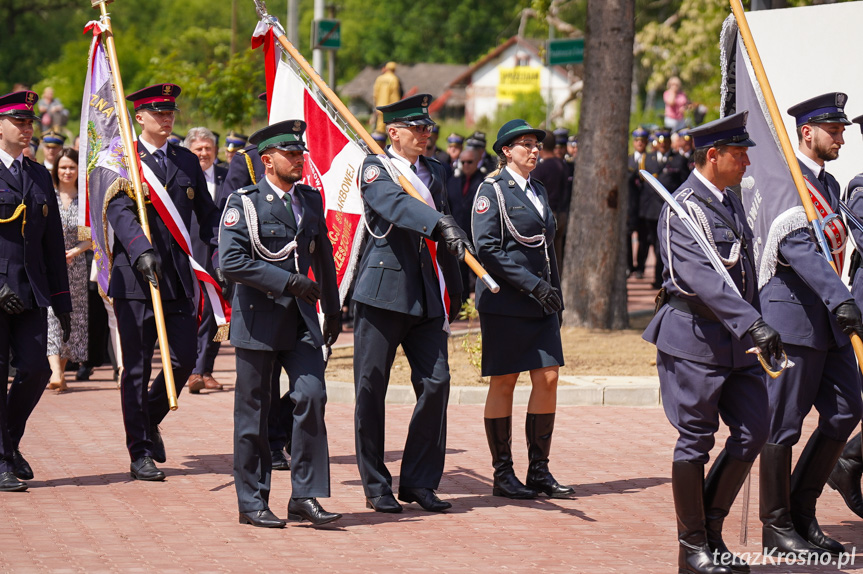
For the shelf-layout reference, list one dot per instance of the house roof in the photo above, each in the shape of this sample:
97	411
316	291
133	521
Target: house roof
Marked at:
528	44
416	79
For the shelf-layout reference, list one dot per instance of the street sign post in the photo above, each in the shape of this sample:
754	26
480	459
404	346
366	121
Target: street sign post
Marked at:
326	34
565	51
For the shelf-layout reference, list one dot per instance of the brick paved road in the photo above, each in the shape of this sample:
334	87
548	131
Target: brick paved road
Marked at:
83	513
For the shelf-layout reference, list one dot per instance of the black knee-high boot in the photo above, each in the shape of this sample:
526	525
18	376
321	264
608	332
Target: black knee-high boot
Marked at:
539	429
695	556
723	483
499	434
846	475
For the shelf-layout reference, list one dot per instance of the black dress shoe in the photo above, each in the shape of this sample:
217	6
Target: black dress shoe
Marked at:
158	444
280	461
310	509
262	519
384	503
8	483
84	373
425	497
145	469
22	467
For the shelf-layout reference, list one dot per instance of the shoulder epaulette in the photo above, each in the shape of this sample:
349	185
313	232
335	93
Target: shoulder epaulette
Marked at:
247	189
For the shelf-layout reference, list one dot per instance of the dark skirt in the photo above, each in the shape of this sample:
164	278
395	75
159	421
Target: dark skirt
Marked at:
518	344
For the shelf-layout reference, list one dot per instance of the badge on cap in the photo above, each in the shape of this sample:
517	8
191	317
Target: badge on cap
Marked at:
31	98
425	102
269	197
190	193
44	211
298	126
311	246
840	100
482	204
371	173
166	89
232	216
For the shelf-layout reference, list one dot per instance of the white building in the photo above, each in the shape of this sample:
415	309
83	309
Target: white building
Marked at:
515	66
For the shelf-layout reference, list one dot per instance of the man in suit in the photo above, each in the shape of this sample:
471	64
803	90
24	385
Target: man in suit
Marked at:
848	471
711	376
461	189
399	301
33	276
272	234
814	313
163	263
202	142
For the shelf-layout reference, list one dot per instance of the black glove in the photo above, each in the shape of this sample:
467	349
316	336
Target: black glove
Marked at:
849	318
65	325
9	301
457	242
548	297
766	338
303	288
223	284
149	267
332	328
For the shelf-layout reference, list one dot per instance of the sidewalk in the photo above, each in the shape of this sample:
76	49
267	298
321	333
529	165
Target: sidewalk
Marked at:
83	513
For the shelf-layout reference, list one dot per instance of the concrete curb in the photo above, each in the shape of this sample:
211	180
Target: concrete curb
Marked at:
571	391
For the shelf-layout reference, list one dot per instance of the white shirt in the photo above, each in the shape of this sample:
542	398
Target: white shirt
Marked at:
528	191
210	176
151	148
295	203
422	172
8	159
720	195
809	162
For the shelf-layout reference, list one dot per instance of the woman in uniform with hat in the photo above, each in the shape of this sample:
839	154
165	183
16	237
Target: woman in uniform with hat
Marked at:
513	230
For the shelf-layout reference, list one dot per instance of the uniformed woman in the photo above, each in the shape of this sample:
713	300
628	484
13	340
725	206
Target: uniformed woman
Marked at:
513	230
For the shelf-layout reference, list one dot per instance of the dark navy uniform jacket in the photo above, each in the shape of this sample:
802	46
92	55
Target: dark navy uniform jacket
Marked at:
396	272
517	269
263	317
238	175
187	187
680	334
34	266
798	301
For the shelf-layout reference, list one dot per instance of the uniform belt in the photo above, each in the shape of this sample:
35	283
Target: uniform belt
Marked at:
691	307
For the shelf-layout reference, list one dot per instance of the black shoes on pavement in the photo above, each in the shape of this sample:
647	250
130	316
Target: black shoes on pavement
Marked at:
9	483
425	497
22	467
280	461
262	519
310	509
384	503
145	469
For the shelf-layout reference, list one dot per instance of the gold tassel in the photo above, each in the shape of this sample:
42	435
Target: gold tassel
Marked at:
222	333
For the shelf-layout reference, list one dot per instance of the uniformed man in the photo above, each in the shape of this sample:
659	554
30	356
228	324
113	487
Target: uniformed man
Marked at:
272	234
848	471
245	169
52	145
814	312
202	142
34	278
561	135
399	301
233	143
636	162
454	147
487	162
707	377
162	262
461	189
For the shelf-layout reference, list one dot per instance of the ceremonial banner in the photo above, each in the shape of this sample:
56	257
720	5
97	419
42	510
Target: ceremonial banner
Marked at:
333	164
103	166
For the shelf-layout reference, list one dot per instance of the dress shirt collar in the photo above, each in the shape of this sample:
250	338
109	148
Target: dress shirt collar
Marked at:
720	195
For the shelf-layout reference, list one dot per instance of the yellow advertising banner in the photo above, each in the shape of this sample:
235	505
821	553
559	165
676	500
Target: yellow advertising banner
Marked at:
518	80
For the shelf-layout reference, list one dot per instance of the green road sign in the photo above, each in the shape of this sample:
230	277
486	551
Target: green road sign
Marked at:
327	34
566	51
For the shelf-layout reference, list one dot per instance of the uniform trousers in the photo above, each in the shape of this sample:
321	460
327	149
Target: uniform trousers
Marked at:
377	335
310	467
207	348
281	417
828	380
26	334
695	396
136	325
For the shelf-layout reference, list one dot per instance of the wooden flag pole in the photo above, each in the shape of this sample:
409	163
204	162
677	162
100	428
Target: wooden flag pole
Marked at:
358	127
785	142
132	166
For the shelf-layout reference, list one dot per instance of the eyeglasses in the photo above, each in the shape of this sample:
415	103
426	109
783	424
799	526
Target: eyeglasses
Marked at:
528	145
418	129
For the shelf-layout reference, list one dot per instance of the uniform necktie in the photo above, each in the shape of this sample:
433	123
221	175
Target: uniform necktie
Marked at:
822	177
727	203
15	170
413	168
287	201
160	158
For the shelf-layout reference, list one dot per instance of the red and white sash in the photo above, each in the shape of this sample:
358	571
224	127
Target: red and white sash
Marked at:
171	217
424	192
835	230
